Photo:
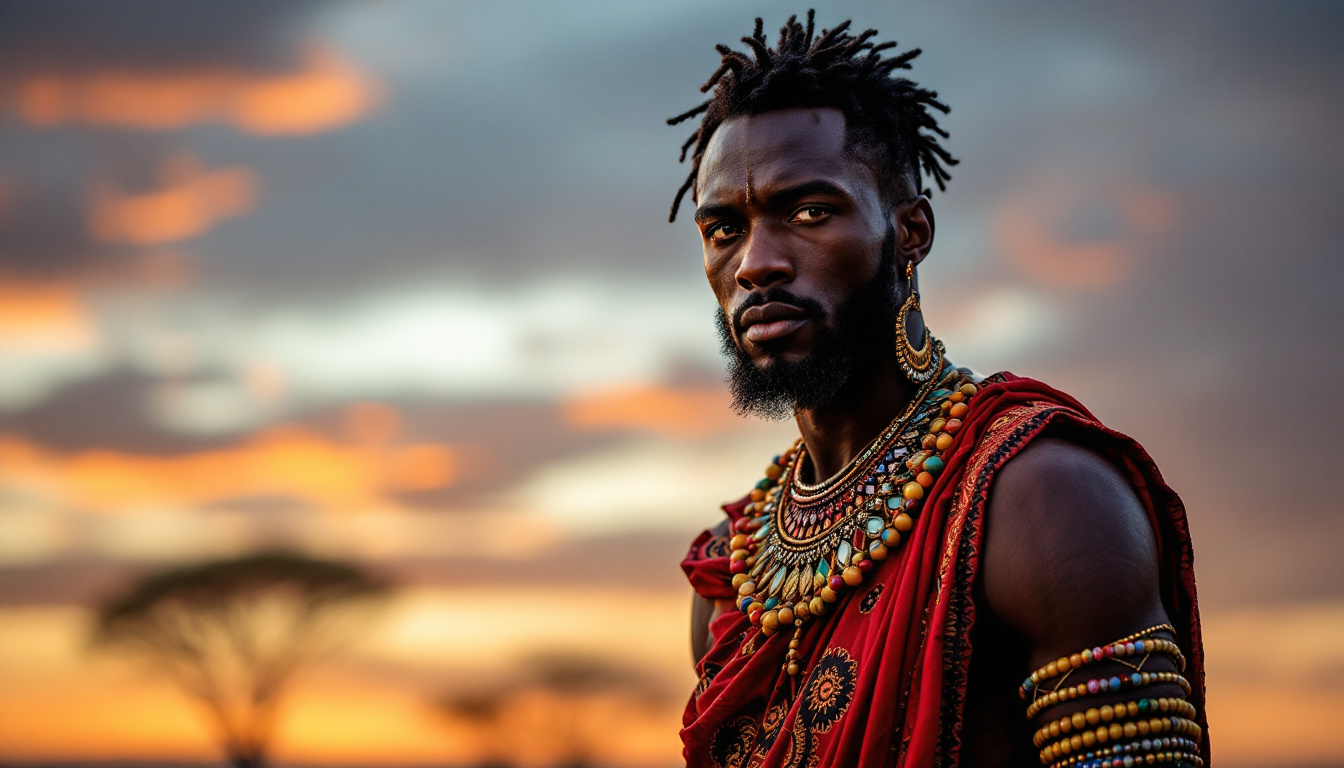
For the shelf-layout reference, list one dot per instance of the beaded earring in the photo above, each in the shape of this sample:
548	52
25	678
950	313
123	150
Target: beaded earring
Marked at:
916	364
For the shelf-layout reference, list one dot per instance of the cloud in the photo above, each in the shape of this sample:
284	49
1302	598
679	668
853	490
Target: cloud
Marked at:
325	93
49	316
995	326
47	338
1061	233
677	412
282	460
540	340
188	204
651	484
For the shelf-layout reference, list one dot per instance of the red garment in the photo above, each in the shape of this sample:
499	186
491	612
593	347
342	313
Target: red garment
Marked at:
886	667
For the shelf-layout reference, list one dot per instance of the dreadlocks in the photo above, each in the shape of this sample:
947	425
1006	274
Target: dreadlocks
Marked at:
889	121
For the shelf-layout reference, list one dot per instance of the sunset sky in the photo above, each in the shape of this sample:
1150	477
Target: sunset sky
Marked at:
393	283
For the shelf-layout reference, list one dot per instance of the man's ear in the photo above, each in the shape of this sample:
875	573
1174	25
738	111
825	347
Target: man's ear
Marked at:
914	229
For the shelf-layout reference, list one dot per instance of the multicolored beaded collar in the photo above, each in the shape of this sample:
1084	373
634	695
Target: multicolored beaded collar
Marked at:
801	546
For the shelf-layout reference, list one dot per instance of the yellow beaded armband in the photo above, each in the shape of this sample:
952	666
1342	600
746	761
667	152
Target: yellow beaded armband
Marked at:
1134	729
1107	713
1162	749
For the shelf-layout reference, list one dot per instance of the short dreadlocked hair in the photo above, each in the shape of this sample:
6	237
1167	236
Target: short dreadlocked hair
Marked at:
889	122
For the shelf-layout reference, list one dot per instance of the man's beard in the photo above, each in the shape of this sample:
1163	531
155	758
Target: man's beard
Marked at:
860	333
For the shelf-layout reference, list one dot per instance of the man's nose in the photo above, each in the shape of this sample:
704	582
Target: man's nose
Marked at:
764	261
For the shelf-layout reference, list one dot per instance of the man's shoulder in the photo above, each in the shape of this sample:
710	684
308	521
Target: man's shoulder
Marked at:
1065	527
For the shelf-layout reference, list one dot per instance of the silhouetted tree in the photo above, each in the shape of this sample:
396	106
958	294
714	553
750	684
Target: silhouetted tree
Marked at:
233	633
483	712
572	691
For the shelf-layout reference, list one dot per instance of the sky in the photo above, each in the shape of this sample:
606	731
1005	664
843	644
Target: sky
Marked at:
394	283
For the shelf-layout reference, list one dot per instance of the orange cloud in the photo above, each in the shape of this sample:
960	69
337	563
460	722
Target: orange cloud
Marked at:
285	460
677	412
1025	227
44	315
191	200
325	94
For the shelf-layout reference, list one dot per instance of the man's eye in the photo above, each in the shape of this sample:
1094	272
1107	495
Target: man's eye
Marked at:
721	231
810	215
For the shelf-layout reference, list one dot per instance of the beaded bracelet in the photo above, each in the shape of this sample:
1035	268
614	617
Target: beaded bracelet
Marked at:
1078	743
1146	632
1117	650
1106	713
1106	685
1131	730
1137	749
1129	761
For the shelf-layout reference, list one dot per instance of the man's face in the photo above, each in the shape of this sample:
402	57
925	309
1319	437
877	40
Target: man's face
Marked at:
799	250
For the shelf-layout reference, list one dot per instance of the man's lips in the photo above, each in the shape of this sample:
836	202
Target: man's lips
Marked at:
772	320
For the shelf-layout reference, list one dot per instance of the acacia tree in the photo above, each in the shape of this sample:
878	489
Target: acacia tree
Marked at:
233	633
577	696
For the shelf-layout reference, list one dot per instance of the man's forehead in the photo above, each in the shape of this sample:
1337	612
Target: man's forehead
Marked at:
772	149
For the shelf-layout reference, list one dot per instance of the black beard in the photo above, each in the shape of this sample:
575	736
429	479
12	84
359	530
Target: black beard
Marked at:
859	334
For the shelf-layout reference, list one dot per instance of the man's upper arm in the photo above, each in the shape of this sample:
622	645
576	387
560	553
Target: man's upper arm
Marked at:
1071	563
1070	558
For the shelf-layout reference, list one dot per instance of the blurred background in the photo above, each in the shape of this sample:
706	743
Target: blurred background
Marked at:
387	290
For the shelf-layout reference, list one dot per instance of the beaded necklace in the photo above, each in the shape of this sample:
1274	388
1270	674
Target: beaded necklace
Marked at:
801	546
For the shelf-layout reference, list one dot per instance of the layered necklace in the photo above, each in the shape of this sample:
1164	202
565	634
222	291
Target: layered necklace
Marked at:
800	547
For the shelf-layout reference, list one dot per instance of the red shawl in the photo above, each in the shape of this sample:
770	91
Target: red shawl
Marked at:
886	669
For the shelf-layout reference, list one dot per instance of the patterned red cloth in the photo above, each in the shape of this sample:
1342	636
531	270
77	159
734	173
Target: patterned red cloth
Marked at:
886	668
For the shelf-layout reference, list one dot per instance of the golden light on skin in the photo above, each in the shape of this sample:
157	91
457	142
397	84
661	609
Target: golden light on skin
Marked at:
190	202
686	413
326	93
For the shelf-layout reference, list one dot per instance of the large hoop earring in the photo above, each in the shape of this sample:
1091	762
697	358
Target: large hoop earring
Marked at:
916	364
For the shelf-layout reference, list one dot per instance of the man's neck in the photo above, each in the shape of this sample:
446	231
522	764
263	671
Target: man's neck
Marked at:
836	433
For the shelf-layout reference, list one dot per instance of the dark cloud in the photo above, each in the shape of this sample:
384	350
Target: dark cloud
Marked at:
64	36
108	412
646	561
44	235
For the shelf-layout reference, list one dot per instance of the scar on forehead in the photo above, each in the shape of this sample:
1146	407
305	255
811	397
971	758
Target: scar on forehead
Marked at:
751	192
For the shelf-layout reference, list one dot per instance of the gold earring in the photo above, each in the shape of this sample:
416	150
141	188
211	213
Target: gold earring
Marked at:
916	364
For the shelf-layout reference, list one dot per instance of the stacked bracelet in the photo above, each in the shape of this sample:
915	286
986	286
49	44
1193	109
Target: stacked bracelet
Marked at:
1106	685
1144	731
1136	751
1107	713
1149	758
1157	726
1116	650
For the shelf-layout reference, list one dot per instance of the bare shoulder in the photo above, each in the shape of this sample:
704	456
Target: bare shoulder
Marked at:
1070	557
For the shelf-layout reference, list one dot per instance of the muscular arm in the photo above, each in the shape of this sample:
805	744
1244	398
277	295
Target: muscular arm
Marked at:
1070	560
1070	563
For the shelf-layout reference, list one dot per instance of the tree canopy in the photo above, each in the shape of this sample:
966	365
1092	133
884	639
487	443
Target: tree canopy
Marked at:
233	633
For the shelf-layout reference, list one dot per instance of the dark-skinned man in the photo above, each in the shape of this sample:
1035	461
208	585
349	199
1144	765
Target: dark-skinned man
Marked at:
944	569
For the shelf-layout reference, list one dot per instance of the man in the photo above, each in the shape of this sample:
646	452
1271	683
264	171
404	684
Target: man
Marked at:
886	590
